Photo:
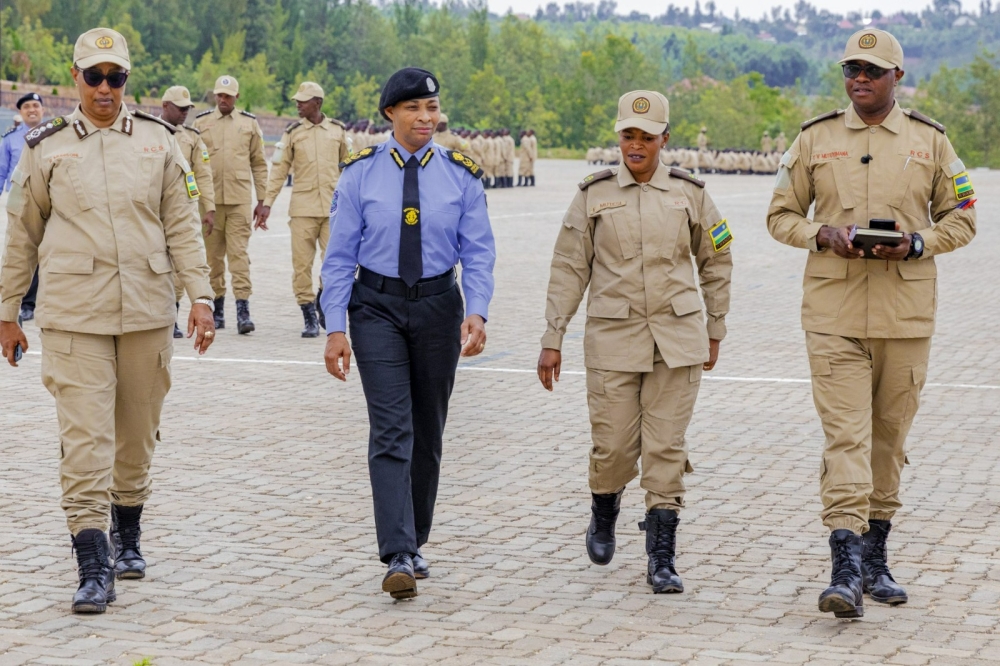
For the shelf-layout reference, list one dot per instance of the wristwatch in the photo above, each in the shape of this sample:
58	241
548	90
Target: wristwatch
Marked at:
916	246
210	303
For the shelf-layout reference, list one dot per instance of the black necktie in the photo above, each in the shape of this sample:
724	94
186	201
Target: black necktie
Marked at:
411	262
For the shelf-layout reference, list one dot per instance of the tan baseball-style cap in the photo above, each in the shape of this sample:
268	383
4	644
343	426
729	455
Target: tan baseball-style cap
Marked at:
179	96
646	110
875	46
443	118
307	90
227	84
101	45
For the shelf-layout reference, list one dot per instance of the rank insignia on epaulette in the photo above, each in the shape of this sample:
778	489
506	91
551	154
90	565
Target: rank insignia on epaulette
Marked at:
466	163
357	157
721	236
427	157
32	138
397	158
963	186
192	185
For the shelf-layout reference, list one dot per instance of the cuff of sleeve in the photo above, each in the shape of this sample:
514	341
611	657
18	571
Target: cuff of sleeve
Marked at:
199	289
336	320
210	207
269	201
812	236
10	311
261	194
717	329
930	241
479	307
552	340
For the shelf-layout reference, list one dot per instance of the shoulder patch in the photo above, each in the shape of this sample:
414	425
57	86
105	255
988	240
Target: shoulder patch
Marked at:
465	162
35	136
146	116
192	128
204	113
292	126
684	175
594	177
821	118
248	114
362	154
916	115
10	130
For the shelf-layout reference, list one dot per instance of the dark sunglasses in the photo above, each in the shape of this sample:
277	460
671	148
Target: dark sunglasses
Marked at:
851	71
95	77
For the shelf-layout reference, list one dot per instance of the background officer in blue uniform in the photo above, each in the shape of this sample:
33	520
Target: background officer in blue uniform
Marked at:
404	213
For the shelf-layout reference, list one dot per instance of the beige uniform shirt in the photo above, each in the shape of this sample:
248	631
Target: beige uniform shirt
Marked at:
451	141
236	147
913	178
313	154
196	153
632	244
106	216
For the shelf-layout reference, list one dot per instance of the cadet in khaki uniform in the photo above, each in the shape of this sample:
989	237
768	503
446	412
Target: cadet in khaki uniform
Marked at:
312	149
236	147
766	144
105	204
176	104
869	322
445	137
630	235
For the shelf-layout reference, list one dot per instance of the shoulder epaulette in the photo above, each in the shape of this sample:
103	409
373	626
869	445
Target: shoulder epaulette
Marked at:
35	136
464	162
10	130
204	113
362	154
248	114
820	118
594	177
292	126
684	175
193	129
916	115
337	122
146	116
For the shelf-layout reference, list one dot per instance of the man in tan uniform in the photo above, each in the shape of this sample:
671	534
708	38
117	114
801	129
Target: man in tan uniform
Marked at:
176	103
766	145
781	143
312	150
507	152
104	203
630	234
527	154
236	148
445	137
869	322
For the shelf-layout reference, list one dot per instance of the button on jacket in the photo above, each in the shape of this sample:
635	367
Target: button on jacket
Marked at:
633	243
236	147
313	154
106	215
911	166
196	153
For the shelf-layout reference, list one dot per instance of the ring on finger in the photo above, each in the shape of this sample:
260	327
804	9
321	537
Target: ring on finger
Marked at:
209	334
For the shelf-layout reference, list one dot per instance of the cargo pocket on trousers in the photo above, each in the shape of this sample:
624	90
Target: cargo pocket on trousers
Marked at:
597	403
918	375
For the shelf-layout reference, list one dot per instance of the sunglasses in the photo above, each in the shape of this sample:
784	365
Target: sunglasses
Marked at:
94	77
851	71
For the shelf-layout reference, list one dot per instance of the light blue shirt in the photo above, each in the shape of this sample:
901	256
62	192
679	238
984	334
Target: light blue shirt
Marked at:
365	216
10	152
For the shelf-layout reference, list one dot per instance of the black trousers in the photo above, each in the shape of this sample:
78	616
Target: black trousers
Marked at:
407	353
29	298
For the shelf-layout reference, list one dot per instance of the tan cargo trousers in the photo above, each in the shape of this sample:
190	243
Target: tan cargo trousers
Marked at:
230	240
109	392
307	234
642	415
866	393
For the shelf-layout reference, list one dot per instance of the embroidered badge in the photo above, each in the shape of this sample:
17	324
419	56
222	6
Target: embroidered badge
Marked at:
867	41
192	185
963	186
641	105
604	205
395	156
430	84
333	204
105	42
721	236
80	130
427	157
411	216
204	156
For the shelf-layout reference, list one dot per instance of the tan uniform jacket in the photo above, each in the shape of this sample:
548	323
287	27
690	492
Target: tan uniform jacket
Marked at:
533	148
633	244
236	145
450	140
103	214
508	148
913	165
313	154
196	153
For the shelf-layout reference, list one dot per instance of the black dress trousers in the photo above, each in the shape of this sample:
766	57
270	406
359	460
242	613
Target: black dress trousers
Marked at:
407	353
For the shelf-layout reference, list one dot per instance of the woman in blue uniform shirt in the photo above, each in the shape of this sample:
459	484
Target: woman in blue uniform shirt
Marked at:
404	214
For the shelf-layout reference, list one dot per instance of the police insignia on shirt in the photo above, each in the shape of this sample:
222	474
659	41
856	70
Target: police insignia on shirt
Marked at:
192	185
963	186
721	236
411	216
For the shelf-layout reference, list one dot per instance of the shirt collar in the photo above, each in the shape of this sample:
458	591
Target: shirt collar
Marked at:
660	179
308	123
892	122
83	127
406	155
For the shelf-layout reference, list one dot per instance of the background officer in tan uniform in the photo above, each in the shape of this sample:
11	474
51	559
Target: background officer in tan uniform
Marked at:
766	145
236	147
105	203
312	149
869	322
445	137
630	235
176	103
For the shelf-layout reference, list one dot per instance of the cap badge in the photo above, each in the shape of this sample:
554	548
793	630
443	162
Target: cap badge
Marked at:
105	42
225	81
185	94
641	105
867	41
430	84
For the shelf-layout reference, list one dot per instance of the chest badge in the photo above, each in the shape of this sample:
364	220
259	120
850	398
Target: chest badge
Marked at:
411	216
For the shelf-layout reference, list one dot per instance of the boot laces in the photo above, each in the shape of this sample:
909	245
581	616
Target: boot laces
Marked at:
127	530
844	569
605	515
876	556
663	543
90	558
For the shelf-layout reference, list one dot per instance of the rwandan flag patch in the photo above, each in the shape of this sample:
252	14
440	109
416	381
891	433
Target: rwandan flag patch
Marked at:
721	236
963	186
192	185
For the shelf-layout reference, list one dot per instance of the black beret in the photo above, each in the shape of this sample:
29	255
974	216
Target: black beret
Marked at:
406	84
30	97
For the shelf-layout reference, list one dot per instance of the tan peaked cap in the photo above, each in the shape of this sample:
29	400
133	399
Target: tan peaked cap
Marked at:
307	90
875	46
178	95
226	84
101	45
646	110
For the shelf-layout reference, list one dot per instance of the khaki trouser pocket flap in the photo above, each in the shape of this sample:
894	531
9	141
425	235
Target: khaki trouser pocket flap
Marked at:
686	303
71	263
165	356
917	270
159	263
608	308
919	375
819	366
688	467
57	342
595	382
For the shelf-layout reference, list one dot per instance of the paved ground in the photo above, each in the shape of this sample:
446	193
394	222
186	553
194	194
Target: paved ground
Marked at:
260	537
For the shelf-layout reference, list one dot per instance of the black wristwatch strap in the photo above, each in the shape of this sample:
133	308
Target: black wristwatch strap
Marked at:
913	254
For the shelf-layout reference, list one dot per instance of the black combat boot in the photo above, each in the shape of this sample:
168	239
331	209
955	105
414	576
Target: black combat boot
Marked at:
400	581
97	578
220	312
601	533
311	328
244	324
319	309
660	527
125	533
177	330
520	181
878	582
532	181
844	597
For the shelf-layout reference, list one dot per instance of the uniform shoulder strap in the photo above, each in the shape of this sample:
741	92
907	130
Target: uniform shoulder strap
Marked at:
204	113
457	158
248	114
292	126
337	122
362	154
916	115
684	175
821	118
10	130
161	121
192	128
35	136
594	177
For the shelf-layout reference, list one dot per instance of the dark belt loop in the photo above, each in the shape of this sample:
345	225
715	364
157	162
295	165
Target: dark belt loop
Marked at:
379	281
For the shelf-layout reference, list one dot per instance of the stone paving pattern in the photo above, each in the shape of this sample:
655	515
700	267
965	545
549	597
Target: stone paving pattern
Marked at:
260	537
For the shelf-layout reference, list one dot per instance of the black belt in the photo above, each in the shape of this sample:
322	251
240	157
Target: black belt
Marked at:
396	287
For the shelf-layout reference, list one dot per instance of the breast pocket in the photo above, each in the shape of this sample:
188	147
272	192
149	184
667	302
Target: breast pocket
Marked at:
613	238
148	174
67	180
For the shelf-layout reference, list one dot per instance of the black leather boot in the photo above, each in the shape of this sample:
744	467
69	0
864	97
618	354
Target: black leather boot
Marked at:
97	578
532	181
844	597
660	527
244	324
177	330
220	312
319	310
601	533
400	581
125	533
421	569
520	181
311	328
878	582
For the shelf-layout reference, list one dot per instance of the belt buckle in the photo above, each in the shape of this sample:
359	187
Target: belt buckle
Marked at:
413	293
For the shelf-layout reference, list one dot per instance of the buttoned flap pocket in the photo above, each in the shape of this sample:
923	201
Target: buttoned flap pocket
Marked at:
826	266
145	167
70	263
612	237
166	354
845	190
18	196
57	341
159	263
917	270
916	294
819	366
608	308
911	162
72	173
686	303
